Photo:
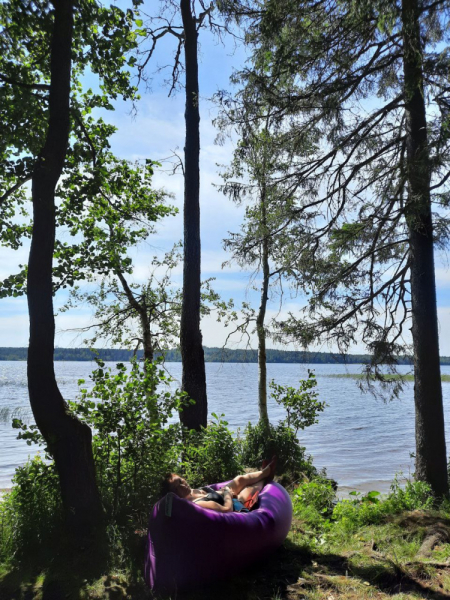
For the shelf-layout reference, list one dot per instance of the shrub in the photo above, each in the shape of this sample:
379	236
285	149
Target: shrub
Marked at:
369	509
262	442
318	493
211	455
259	443
32	512
134	445
415	495
313	502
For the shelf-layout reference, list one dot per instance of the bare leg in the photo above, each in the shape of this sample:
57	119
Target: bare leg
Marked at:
243	481
248	491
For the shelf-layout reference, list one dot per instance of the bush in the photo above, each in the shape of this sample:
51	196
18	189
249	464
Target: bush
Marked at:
313	502
32	512
134	445
211	455
259	443
318	493
369	509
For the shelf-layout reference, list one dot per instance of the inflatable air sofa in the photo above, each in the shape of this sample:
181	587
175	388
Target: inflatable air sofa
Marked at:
189	545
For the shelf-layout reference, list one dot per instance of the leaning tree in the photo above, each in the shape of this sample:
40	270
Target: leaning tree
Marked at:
46	47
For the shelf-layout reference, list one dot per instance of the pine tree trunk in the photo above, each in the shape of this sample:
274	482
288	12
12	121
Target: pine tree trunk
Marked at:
194	376
431	462
69	440
260	328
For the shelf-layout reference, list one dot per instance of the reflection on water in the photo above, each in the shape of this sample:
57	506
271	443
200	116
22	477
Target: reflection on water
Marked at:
361	441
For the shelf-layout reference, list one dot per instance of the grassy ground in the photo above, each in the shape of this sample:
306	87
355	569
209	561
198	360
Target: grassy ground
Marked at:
375	562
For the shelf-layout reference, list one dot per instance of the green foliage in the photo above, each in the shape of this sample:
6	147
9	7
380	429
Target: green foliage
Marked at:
301	405
103	39
318	493
369	509
32	512
211	455
112	206
313	502
260	443
134	444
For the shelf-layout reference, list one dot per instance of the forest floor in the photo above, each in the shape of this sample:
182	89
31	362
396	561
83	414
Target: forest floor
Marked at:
403	558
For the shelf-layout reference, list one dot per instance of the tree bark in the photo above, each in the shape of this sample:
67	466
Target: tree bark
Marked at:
194	376
260	328
431	462
141	309
69	440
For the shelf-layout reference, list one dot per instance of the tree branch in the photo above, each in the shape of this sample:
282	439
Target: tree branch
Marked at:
29	86
14	188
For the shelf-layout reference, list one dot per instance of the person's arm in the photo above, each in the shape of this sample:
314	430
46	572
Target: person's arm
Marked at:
214	506
227	500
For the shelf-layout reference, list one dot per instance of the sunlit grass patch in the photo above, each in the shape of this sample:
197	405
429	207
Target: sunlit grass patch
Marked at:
441	553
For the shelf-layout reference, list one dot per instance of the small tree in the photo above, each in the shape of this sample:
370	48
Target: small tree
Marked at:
253	178
301	405
113	207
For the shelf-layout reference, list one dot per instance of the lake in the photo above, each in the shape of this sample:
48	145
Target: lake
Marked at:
361	441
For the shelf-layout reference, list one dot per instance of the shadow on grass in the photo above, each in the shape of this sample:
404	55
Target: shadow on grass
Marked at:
287	574
47	575
62	572
291	572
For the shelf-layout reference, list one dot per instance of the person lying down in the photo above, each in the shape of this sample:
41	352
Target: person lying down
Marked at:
240	495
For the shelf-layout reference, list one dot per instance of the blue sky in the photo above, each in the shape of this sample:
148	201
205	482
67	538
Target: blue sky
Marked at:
155	132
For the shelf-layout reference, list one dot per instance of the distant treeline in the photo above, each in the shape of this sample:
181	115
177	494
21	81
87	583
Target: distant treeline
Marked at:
211	355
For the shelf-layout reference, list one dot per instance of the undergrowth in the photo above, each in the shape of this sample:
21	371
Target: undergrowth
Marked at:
327	522
136	442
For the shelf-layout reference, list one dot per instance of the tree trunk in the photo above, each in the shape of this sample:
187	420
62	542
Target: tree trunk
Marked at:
431	462
194	377
149	353
141	309
69	440
260	328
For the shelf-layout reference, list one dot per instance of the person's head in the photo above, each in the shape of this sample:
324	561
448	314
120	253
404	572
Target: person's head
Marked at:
176	484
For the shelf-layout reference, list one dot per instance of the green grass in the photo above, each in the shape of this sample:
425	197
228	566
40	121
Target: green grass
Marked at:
318	561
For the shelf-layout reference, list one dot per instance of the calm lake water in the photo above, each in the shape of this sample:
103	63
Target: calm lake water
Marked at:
361	441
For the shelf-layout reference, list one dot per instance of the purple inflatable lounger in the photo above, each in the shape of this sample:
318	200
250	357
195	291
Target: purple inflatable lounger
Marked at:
189	545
